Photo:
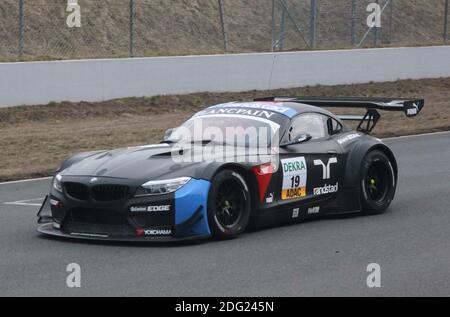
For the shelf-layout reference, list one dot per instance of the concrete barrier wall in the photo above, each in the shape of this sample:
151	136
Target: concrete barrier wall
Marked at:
97	80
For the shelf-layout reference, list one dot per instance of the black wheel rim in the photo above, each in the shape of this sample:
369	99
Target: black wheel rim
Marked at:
230	203
377	182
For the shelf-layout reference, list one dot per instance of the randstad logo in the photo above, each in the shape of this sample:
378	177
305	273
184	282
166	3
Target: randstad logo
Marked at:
327	189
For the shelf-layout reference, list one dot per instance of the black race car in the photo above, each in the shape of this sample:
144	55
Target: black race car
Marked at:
231	166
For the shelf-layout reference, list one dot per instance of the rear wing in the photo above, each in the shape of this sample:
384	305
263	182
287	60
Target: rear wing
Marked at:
411	107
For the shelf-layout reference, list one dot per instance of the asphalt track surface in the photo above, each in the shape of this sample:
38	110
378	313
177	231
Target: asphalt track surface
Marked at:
411	243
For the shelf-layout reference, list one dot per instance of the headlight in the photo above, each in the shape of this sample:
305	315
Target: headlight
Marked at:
57	183
161	187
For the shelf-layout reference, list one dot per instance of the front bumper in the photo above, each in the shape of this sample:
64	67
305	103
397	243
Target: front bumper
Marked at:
48	230
134	219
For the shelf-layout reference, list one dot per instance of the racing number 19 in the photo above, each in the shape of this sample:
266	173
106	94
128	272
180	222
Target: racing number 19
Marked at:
295	181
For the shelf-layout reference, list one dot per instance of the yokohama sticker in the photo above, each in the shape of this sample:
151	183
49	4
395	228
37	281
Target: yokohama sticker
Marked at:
295	174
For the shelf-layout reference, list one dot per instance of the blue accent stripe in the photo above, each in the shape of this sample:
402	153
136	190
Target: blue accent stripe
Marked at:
189	200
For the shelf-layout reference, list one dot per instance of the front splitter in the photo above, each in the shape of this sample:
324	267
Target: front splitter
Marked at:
48	230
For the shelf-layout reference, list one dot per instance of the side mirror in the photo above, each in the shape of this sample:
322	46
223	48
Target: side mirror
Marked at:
302	138
168	133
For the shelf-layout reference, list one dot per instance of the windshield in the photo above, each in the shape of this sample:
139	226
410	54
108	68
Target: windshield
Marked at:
227	130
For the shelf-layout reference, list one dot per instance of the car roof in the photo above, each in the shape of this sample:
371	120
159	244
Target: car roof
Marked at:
288	109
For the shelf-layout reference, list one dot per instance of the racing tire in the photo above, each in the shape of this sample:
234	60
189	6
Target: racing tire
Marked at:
378	183
229	205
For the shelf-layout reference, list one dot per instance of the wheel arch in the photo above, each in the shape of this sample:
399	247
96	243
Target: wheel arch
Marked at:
348	199
356	156
388	152
248	176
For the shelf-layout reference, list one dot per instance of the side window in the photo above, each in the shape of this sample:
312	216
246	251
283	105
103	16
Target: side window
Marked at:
334	126
311	123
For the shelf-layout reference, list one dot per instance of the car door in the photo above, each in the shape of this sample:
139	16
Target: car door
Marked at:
310	172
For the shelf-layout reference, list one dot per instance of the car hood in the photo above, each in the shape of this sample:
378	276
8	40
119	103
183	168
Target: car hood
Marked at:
150	162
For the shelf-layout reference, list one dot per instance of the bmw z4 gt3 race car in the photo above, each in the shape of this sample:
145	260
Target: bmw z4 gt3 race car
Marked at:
229	167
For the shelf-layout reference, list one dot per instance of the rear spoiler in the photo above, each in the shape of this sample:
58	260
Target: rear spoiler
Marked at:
411	107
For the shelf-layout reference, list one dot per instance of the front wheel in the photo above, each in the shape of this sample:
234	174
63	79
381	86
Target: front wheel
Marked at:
228	205
378	183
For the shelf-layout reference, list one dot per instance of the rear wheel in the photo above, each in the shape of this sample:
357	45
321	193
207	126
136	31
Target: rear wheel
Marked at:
378	183
228	205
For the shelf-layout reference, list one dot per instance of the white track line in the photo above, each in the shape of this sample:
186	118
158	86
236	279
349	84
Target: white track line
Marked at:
386	139
26	181
27	202
416	135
